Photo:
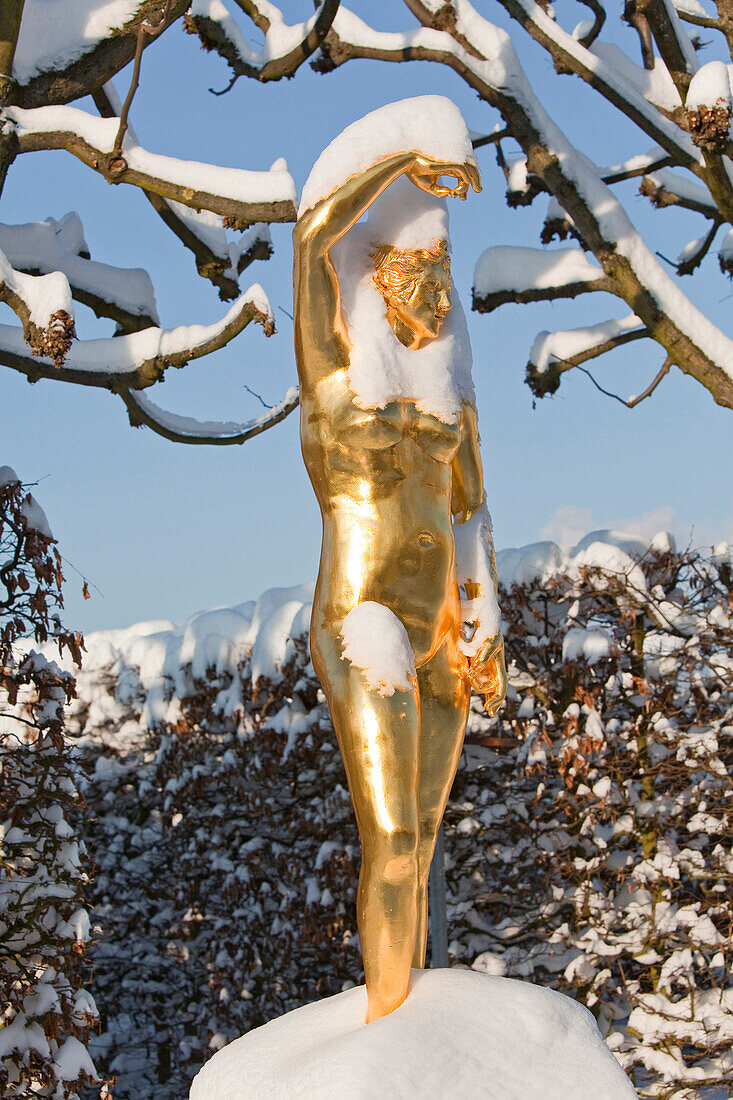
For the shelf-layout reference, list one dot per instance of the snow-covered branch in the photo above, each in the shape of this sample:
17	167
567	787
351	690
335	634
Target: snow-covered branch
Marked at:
43	304
139	359
667	188
184	429
614	84
42	248
508	273
69	48
554	353
491	67
242	197
217	258
285	48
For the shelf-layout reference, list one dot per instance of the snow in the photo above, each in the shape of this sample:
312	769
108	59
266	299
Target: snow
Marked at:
552	347
280	38
54	33
459	1033
209	229
376	642
437	376
429	124
21	1036
35	516
52	245
656	85
30	509
7	476
593	645
684	186
238	184
73	1059
710	86
189	426
510	267
474	563
44	295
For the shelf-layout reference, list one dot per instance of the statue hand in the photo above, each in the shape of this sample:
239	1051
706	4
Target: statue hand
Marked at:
425	173
487	673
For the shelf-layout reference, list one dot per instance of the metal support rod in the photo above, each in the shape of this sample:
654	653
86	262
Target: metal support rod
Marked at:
438	915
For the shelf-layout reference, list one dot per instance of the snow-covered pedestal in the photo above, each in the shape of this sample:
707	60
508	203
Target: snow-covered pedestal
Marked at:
458	1034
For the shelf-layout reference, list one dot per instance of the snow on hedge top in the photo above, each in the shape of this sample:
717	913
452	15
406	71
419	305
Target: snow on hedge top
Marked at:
160	664
428	124
55	33
710	85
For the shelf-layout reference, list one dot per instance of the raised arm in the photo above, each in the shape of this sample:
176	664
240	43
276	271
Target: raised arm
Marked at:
321	342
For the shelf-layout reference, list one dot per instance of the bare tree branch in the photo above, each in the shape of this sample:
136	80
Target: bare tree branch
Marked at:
632	402
692	261
181	429
599	18
672	41
11	13
88	138
572	57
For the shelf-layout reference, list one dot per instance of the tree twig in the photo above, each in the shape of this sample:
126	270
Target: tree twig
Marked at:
632	402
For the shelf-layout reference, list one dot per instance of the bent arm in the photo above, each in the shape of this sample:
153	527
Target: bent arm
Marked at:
475	558
321	341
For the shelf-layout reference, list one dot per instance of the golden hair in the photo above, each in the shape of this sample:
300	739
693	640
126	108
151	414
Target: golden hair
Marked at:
396	269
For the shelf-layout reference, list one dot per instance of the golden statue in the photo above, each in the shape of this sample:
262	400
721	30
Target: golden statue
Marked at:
389	437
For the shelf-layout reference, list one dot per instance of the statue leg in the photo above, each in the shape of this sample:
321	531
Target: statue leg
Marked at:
445	696
379	742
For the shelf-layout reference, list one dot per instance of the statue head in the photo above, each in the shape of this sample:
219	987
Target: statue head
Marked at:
415	284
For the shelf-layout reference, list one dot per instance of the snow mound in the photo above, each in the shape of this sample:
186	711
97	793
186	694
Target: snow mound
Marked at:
459	1033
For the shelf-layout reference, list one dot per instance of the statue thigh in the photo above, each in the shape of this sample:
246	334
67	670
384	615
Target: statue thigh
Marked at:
379	740
445	696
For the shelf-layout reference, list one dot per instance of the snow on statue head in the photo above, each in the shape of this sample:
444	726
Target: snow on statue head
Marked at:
403	241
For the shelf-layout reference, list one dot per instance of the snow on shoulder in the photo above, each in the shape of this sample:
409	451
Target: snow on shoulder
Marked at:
429	124
376	642
459	1033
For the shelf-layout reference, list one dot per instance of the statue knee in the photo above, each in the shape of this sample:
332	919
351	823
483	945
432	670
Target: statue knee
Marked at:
397	852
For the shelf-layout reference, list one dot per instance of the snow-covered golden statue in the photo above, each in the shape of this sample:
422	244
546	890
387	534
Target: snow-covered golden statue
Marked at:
405	618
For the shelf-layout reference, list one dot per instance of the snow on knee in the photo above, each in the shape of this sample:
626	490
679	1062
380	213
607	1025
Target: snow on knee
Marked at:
376	642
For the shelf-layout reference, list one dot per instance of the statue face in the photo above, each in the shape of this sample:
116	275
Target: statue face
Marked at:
423	309
415	285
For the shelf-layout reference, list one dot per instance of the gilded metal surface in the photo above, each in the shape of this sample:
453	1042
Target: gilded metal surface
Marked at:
388	482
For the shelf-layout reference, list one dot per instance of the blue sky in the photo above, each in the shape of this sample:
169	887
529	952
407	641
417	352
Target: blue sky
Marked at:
161	530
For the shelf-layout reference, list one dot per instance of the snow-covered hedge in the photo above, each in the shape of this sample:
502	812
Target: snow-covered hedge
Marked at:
46	1011
588	833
